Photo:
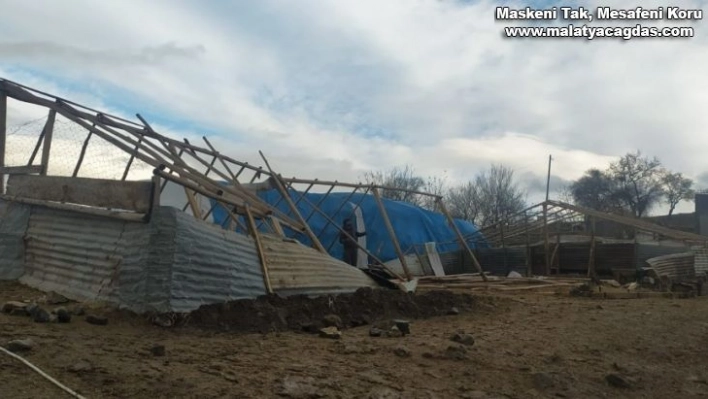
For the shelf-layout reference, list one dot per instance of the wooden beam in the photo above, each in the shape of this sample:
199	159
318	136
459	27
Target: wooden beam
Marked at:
339	209
529	263
363	197
261	253
134	196
391	233
279	185
82	154
3	136
461	238
127	216
591	258
341	230
46	148
132	157
21	170
277	227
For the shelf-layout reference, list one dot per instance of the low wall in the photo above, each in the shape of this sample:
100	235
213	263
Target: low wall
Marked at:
174	263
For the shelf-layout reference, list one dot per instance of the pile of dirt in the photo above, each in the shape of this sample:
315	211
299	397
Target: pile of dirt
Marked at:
302	313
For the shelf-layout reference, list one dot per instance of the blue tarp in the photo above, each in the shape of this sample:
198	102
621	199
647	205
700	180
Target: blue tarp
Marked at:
413	225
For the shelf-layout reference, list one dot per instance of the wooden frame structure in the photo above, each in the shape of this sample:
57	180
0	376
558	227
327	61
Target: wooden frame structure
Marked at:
200	171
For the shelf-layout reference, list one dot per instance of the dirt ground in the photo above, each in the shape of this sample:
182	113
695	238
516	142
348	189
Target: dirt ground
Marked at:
525	346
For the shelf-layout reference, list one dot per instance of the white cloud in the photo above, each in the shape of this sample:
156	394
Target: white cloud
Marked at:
331	88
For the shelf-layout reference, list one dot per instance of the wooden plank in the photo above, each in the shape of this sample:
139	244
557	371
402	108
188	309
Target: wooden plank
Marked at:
391	232
461	238
129	195
127	216
279	185
46	148
277	227
261	253
82	154
3	136
434	259
21	170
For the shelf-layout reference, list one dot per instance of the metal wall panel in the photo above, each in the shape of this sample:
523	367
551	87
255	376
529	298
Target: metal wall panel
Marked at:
212	265
415	266
297	269
13	225
677	266
74	254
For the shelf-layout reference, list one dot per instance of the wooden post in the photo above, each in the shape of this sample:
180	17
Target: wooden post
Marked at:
557	255
501	234
132	157
391	232
46	148
315	241
3	137
83	153
461	238
591	259
261	253
545	239
529	263
36	148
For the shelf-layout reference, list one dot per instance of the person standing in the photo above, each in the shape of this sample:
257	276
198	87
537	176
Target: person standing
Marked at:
348	239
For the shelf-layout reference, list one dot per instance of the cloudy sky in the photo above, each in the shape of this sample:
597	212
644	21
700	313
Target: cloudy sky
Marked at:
333	88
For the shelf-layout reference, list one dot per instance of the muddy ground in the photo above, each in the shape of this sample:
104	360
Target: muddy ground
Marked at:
525	346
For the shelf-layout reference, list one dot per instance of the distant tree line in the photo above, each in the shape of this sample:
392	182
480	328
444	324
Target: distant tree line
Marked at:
489	197
632	186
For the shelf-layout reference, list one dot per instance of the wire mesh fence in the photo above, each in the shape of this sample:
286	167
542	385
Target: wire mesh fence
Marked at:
73	151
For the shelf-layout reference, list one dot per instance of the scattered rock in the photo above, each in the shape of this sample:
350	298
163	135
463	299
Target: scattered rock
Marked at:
332	320
375	332
41	316
56	299
456	352
299	388
394	332
617	381
543	381
158	350
402	352
453	311
464	339
96	320
81	366
31	309
404	326
331	333
514	274
78	311
63	315
162	320
20	345
9	307
613	283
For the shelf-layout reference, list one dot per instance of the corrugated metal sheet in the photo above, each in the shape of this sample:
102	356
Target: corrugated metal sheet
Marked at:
296	269
415	266
701	261
677	266
647	251
13	225
74	254
212	265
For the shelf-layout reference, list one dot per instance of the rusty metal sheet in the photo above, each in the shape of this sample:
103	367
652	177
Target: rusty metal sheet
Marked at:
297	269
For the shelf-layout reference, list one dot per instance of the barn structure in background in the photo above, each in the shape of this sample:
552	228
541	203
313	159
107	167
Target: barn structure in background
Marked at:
112	238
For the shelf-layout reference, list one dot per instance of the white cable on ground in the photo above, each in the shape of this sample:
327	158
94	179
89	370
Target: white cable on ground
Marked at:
43	374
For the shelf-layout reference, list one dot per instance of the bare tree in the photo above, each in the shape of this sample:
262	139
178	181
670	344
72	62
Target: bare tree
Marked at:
565	194
397	178
498	196
462	202
676	188
434	185
639	181
596	190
